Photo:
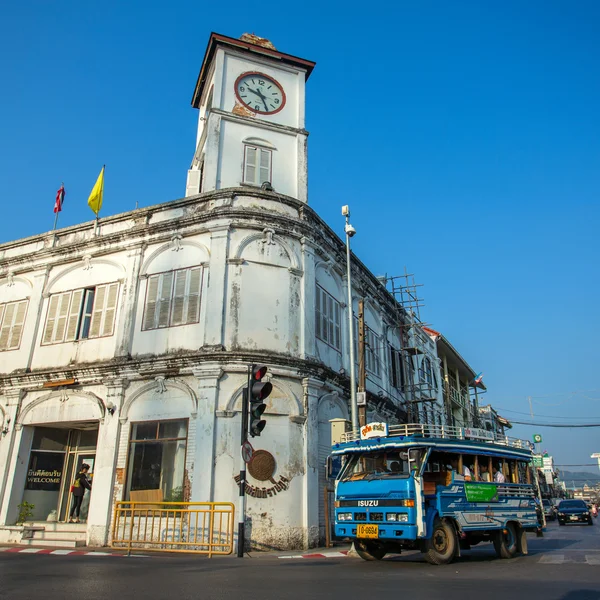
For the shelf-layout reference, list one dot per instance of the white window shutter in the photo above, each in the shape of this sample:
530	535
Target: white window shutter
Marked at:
151	301
194	291
98	311
337	343
110	309
61	317
193	183
164	308
73	319
17	328
9	314
318	313
250	164
50	319
265	166
179	297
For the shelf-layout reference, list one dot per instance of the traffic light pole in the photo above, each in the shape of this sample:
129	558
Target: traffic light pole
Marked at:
242	508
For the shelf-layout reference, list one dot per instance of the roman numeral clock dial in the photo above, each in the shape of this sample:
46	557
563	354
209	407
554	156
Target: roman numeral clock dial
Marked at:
259	93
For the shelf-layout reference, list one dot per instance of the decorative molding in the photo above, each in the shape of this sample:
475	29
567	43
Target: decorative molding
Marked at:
176	243
63	396
268	237
225	414
235	261
11	279
88	263
298	419
159	385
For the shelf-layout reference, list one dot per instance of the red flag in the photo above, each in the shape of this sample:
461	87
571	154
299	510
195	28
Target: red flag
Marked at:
60	198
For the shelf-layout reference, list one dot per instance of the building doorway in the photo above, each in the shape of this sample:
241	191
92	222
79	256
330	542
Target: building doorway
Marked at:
56	456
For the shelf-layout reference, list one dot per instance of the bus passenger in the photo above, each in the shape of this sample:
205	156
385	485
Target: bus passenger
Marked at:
498	475
466	472
484	474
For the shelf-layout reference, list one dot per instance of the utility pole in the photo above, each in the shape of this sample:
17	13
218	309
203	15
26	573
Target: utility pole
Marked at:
362	372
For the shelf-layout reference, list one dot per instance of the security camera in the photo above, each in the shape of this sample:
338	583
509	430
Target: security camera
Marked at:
350	231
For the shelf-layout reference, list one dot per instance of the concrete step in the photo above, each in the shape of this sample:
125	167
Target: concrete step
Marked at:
59	535
51	526
53	543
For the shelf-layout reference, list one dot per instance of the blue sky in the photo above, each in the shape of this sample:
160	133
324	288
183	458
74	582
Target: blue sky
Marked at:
465	136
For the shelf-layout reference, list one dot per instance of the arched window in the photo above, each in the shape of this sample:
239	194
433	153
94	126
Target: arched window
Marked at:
258	161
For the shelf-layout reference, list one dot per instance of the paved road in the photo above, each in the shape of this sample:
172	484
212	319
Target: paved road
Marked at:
564	565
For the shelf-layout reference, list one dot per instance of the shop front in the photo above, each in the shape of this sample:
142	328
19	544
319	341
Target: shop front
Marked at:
56	456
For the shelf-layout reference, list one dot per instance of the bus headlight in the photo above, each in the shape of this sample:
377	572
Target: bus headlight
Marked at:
398	517
344	516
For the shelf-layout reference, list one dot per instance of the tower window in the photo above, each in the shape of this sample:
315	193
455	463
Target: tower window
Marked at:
257	165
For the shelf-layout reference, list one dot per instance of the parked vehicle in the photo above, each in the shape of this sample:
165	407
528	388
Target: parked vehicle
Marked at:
549	510
433	488
574	511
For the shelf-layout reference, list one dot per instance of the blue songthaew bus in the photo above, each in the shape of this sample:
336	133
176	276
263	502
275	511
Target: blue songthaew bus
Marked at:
433	488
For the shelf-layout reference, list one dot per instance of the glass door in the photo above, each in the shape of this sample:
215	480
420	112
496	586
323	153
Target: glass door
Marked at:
82	449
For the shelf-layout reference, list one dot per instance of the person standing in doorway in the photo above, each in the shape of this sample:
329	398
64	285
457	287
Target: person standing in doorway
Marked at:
78	488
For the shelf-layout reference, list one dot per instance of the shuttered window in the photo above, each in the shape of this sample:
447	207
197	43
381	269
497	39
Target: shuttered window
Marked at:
81	314
327	319
12	319
257	165
173	298
371	351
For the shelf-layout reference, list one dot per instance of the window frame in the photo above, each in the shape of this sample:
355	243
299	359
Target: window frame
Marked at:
372	352
172	297
3	307
337	328
80	315
259	148
158	422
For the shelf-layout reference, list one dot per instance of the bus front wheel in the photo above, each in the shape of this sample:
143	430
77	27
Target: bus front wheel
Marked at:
505	541
440	548
369	550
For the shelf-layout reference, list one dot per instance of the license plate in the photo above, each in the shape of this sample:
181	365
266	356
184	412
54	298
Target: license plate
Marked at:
367	531
574	518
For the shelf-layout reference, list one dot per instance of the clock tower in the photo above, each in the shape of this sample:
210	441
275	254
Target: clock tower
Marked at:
251	128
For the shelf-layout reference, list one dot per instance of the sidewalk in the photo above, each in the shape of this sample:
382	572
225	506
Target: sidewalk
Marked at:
340	551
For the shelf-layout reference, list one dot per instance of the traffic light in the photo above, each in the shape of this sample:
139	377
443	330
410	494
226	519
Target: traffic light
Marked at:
258	392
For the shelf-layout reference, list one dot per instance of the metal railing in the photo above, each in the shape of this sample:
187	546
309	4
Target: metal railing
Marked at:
199	527
446	432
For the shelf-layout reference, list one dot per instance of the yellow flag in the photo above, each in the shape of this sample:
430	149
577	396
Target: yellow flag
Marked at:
95	199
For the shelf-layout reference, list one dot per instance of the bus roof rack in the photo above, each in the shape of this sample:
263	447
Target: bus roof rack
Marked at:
446	432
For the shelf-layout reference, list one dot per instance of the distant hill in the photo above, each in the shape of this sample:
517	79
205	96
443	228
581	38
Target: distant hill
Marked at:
580	477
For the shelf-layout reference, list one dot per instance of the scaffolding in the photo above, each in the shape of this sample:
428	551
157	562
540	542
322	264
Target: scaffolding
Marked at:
419	360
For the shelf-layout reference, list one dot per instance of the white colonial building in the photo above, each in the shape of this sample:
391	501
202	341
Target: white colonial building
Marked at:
127	346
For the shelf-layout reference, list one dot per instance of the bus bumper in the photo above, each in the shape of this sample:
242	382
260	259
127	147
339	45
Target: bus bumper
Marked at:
387	531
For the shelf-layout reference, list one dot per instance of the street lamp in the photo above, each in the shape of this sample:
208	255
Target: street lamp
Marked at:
350	232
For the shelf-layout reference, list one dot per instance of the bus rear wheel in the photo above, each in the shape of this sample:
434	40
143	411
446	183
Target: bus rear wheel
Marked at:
440	548
369	550
505	541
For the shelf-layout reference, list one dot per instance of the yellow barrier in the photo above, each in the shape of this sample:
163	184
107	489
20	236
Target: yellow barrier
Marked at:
200	527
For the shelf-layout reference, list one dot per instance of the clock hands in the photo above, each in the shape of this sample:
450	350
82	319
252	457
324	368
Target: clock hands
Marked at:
257	93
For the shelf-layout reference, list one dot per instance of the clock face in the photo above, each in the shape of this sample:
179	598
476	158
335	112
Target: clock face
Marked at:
259	93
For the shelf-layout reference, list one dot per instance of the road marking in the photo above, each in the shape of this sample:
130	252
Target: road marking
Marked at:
552	559
62	552
29	551
592	560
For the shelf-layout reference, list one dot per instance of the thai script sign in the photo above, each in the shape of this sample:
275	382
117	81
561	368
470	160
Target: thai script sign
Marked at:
476	492
45	471
373	430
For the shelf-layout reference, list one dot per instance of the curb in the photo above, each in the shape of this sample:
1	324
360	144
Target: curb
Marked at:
341	554
60	552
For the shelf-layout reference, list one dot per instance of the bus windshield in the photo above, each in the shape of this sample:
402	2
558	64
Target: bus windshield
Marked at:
393	463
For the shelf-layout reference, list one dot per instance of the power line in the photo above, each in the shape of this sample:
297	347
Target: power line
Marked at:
574	425
583	465
546	416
